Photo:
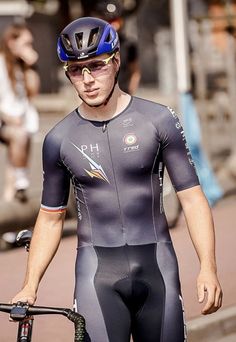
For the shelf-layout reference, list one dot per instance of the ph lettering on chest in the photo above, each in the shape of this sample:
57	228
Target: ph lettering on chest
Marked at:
93	149
90	148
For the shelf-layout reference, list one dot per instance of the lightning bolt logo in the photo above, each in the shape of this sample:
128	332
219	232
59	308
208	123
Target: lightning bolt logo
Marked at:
96	169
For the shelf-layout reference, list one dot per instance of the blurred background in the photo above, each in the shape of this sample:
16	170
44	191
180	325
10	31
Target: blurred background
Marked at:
181	53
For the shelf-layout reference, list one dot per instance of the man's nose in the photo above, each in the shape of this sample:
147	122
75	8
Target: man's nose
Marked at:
88	78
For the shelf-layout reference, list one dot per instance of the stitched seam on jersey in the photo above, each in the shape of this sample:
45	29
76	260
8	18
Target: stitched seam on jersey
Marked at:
95	277
129	268
116	186
164	285
86	205
184	320
161	184
78	200
153	197
75	188
148	295
164	299
67	168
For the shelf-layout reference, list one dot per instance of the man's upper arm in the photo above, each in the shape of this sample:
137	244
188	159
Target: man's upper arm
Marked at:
56	178
175	152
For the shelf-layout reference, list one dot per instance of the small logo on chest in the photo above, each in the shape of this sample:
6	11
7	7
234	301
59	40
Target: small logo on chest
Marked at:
127	122
130	141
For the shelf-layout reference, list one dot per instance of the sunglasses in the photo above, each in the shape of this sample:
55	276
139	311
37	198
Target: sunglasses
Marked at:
95	68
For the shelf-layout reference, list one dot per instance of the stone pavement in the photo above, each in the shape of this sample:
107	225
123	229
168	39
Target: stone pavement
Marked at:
220	327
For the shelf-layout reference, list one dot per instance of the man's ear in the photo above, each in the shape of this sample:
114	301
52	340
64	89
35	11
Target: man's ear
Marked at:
117	58
67	75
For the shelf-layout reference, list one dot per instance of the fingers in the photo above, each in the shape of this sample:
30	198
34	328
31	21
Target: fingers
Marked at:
214	299
201	293
29	300
209	291
209	306
218	298
24	296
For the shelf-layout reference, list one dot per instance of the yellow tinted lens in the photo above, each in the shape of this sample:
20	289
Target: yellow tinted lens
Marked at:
74	70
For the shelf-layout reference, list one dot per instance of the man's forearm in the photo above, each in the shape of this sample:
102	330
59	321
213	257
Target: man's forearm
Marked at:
200	224
44	244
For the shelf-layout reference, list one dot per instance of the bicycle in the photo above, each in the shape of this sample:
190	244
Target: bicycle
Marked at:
23	312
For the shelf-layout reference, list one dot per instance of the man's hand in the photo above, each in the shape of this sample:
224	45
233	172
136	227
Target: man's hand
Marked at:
209	290
26	295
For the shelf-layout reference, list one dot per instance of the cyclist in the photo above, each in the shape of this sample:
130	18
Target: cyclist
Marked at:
114	148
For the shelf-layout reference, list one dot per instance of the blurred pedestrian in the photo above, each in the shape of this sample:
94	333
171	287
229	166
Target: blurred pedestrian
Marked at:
18	117
112	12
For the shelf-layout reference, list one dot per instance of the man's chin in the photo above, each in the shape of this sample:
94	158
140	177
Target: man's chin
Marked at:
92	102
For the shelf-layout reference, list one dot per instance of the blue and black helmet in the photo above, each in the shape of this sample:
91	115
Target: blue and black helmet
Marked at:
86	37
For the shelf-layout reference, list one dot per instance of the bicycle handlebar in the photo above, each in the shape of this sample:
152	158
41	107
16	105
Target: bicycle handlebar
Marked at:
26	310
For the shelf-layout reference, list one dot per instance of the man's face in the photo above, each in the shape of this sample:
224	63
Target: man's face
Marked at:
93	78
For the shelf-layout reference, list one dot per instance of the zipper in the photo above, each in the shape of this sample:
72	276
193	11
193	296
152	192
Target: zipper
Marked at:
104	126
112	164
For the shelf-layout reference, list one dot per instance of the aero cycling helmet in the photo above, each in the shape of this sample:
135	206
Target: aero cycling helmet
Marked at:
86	37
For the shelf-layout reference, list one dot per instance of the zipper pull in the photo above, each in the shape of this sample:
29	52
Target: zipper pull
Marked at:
104	127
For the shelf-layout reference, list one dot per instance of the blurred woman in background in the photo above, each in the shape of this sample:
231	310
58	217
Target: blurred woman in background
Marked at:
18	117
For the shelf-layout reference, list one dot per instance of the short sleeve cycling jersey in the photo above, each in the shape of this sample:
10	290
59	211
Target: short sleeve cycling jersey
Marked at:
116	168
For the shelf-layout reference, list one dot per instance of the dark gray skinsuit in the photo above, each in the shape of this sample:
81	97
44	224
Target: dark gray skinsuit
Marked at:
126	271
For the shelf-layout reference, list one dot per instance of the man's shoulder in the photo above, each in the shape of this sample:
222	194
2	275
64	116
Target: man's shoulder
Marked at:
62	128
161	116
148	107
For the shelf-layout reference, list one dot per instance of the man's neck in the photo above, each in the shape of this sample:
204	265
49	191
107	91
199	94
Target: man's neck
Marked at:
117	103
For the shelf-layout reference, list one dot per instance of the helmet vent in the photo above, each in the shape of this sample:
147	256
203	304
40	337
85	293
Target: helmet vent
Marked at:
108	38
66	42
79	40
93	36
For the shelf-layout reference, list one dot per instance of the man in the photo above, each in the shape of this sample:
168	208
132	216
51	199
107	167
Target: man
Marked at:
113	148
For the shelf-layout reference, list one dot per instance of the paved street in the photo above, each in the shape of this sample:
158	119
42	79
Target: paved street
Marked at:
57	286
